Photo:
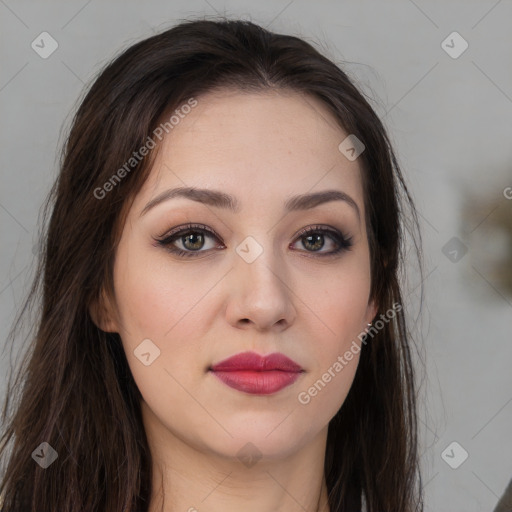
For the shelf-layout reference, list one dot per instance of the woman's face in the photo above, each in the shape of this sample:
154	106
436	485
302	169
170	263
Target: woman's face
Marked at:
252	284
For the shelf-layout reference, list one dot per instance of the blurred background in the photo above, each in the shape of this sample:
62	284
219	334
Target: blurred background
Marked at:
439	73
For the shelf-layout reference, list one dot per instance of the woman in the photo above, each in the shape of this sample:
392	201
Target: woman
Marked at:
222	324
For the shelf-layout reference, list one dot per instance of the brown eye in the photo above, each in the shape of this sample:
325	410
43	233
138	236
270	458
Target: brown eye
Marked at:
192	239
314	240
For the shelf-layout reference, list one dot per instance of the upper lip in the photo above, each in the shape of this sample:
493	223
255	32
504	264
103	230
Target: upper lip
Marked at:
255	362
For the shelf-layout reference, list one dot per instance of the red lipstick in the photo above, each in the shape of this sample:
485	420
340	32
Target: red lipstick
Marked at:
259	375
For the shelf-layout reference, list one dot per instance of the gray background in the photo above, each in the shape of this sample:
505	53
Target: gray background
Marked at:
450	121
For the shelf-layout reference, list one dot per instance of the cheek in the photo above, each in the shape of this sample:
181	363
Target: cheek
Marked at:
171	308
342	306
340	311
152	300
155	306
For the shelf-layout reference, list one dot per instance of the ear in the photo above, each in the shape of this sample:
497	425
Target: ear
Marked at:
371	311
103	313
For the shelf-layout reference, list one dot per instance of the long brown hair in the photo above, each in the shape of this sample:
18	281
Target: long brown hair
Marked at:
74	389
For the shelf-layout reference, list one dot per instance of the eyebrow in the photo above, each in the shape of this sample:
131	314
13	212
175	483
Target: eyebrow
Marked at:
220	199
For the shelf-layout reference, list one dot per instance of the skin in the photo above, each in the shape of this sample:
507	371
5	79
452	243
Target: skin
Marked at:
261	148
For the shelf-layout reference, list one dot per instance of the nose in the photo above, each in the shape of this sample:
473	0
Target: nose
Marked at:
260	295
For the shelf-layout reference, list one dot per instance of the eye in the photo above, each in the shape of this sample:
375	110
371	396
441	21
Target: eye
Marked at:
313	239
192	238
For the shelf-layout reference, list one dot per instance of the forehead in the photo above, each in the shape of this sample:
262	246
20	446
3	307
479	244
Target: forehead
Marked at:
258	146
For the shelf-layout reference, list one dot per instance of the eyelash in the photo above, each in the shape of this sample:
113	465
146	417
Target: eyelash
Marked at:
344	243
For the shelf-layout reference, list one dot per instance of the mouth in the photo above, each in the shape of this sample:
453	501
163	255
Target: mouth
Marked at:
255	374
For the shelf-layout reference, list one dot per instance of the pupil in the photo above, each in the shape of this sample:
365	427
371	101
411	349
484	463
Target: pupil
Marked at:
318	239
191	237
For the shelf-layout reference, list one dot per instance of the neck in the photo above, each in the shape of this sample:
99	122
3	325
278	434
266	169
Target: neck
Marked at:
229	492
188	478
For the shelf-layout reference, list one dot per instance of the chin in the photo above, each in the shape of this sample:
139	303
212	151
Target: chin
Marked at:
270	439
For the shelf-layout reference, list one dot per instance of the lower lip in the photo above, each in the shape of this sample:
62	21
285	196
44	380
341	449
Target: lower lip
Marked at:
258	383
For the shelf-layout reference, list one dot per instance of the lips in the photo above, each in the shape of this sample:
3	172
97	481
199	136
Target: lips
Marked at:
255	374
